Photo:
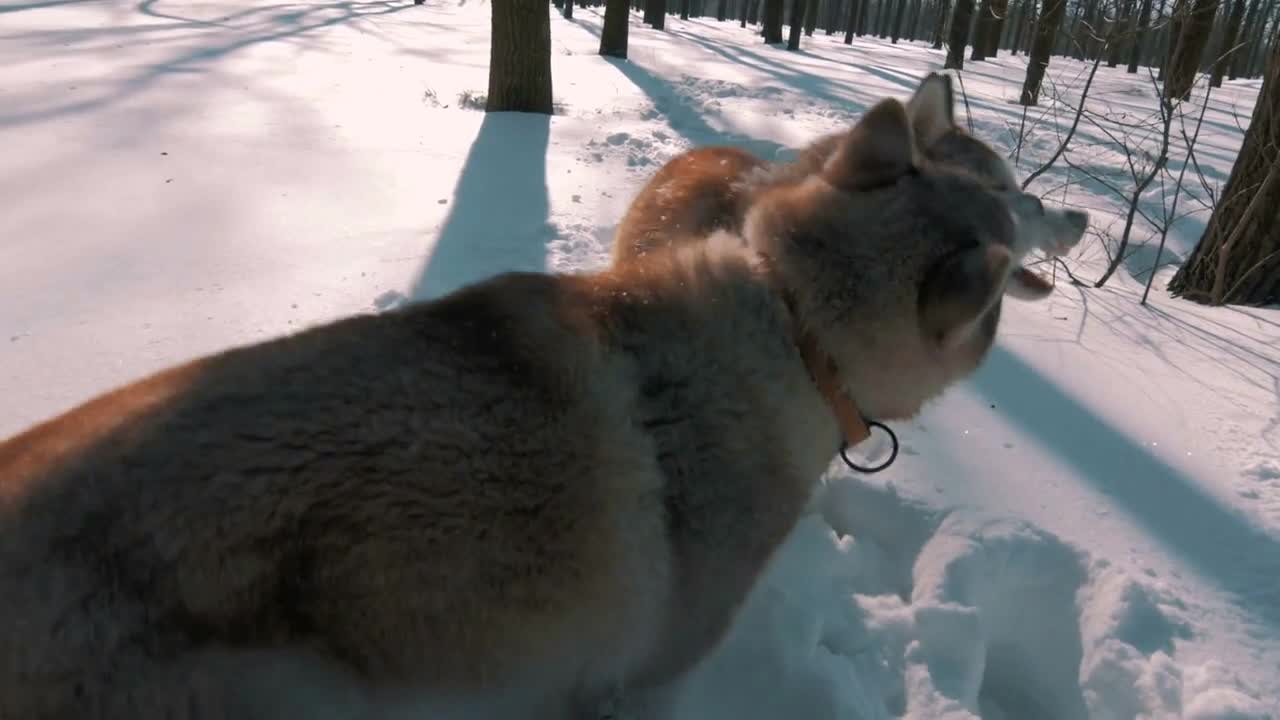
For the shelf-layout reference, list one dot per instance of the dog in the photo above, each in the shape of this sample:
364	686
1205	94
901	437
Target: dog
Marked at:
536	496
711	188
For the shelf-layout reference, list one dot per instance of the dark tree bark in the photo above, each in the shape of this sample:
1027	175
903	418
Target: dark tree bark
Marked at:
864	15
655	13
1241	58
1237	260
520	57
684	9
1138	43
810	17
773	21
981	30
722	10
851	20
999	10
899	16
1118	37
1189	45
1228	47
613	36
940	28
797	23
1025	8
959	37
1046	34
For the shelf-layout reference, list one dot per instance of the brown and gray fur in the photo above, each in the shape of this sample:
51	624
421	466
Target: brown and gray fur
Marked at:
531	496
711	188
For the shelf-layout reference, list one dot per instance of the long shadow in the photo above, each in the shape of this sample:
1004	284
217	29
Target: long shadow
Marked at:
1219	544
38	5
498	221
263	24
682	114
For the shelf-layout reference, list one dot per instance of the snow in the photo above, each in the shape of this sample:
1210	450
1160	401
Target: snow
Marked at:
1090	527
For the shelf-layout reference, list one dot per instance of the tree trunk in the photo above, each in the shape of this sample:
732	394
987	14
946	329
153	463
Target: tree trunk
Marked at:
810	17
520	57
981	29
960	20
773	21
1228	47
864	16
1139	36
1024	9
722	10
1189	44
566	9
1046	34
613	36
1119	35
1237	260
797	24
999	11
654	10
940	28
897	21
1241	57
851	21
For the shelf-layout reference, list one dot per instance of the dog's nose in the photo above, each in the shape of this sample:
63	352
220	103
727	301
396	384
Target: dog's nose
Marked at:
1079	220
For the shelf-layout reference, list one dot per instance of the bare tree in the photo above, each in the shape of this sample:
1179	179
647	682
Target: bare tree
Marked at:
797	23
940	27
1237	260
999	11
1046	34
1192	34
655	13
1138	43
520	57
773	21
1227	49
851	20
982	28
896	32
960	21
1241	59
613	36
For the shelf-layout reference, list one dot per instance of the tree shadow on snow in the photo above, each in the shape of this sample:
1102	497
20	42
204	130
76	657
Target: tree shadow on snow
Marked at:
498	221
1222	546
682	114
203	42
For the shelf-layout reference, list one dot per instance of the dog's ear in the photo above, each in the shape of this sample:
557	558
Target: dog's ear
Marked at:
960	290
876	151
932	109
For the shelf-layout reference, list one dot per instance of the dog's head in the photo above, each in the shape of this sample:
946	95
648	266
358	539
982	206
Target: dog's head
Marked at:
897	256
944	143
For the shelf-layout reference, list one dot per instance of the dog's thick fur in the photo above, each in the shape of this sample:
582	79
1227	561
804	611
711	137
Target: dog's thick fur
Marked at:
532	495
712	188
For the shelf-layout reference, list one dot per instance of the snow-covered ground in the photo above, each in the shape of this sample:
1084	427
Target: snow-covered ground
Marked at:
1089	528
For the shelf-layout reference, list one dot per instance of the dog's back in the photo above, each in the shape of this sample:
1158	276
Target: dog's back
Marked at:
709	188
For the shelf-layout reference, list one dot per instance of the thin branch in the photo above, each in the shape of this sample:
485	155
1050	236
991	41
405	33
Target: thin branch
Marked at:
1075	123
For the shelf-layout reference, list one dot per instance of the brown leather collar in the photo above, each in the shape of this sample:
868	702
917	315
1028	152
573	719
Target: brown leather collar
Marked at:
823	371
